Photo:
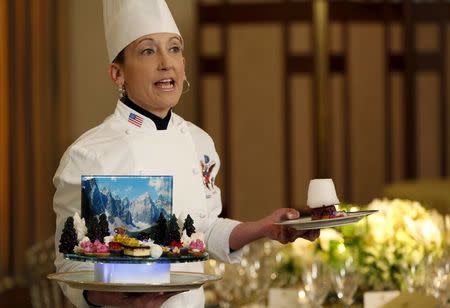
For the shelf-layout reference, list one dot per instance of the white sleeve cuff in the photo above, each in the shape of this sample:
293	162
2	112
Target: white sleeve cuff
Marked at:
218	239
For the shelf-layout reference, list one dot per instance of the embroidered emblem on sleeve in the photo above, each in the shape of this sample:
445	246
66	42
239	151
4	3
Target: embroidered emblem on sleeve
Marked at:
207	168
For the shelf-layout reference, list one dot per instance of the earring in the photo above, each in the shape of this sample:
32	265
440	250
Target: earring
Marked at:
122	91
188	86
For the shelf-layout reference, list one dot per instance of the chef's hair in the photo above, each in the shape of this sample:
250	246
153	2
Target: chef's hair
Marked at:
120	58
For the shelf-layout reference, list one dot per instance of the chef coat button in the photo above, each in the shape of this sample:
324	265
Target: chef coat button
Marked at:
128	131
195	170
202	215
183	130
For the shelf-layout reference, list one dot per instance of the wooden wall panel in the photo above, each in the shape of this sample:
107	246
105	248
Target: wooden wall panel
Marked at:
300	38
33	127
21	160
4	139
396	38
447	88
303	159
42	122
256	98
336	134
336	37
369	80
427	37
211	41
213	119
366	65
398	146
428	125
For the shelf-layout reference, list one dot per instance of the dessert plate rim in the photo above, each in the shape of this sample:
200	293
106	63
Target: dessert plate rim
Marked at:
306	223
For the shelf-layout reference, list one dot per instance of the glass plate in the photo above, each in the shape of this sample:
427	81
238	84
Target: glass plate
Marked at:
179	281
307	224
136	260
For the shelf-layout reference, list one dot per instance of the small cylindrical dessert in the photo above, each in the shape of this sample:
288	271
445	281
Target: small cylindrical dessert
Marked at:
322	199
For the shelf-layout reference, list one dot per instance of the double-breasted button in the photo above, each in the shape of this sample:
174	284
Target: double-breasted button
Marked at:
202	215
183	130
195	170
128	131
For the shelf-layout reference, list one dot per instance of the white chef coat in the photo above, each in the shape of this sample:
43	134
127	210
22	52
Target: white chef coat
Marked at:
119	147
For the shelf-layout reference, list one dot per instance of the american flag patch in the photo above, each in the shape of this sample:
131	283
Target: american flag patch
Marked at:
135	119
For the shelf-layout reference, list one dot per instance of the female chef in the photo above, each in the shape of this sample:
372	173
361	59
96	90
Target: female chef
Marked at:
144	137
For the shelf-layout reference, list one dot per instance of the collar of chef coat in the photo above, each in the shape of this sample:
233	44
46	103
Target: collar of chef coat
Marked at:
124	112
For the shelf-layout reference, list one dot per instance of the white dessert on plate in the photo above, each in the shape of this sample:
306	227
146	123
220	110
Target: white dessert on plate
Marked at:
322	199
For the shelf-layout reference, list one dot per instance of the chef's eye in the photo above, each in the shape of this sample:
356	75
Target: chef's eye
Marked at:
148	51
175	49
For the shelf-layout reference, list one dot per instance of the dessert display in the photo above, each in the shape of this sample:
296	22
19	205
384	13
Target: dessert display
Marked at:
136	251
127	230
197	247
167	238
322	200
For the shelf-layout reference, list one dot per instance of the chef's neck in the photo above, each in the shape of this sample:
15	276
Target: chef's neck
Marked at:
160	123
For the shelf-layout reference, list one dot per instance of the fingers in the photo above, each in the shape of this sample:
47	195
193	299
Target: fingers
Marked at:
287	235
286	214
157	299
290	235
143	300
311	235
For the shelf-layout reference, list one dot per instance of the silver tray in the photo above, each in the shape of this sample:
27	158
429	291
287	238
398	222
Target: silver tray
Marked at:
179	282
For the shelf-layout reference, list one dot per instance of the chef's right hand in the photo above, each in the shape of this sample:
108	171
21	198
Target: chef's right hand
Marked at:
135	300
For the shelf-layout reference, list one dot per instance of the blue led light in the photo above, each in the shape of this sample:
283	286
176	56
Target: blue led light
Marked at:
154	273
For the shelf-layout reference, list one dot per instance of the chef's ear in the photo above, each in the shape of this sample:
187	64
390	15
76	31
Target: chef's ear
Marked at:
116	74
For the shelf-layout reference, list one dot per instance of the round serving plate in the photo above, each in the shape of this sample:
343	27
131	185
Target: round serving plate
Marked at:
136	260
179	282
308	224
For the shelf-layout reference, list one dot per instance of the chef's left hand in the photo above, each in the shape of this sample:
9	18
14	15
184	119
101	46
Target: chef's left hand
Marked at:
285	234
247	232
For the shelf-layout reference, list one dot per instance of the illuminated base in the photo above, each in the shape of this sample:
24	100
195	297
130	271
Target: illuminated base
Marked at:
132	273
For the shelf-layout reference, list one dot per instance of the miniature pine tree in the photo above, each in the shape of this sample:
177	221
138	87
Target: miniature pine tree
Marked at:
93	229
103	227
189	225
173	233
68	237
158	231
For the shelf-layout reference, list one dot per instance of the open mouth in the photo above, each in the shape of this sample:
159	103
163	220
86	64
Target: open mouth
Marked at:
165	84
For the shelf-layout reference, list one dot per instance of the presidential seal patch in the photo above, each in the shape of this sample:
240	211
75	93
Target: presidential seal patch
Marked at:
207	168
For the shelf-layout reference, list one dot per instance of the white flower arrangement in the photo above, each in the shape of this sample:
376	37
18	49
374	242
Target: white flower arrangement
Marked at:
401	234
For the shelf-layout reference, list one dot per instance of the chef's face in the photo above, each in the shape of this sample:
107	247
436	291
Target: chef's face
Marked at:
153	72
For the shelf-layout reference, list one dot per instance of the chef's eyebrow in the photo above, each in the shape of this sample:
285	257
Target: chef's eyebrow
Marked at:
151	39
175	38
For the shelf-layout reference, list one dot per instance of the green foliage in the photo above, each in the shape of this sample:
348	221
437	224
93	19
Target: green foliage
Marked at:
189	225
68	237
103	227
93	229
173	230
158	232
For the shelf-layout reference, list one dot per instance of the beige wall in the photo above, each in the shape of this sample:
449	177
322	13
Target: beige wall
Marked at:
92	94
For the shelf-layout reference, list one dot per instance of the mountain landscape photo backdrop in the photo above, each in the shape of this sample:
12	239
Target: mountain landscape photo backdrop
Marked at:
133	202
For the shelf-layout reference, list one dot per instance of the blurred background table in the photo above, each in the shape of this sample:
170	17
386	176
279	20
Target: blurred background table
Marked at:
432	193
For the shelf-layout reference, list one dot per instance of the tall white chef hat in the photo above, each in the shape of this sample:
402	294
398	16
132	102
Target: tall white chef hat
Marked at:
128	20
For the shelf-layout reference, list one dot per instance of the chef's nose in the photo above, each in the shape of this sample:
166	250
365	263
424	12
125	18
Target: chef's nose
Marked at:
165	62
